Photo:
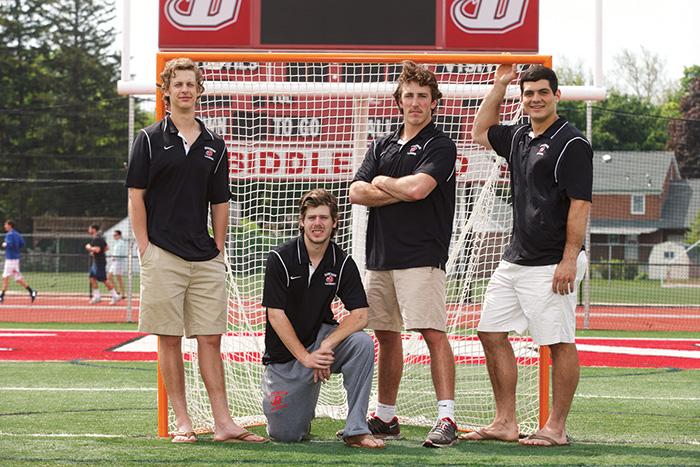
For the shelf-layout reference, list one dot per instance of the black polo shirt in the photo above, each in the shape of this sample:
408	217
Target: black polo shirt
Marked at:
99	259
411	234
545	173
307	304
180	187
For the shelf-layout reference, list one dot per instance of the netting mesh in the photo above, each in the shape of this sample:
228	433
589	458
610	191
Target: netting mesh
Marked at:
291	127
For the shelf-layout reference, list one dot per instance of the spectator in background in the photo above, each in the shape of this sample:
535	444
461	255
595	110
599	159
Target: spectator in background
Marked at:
97	247
13	244
117	264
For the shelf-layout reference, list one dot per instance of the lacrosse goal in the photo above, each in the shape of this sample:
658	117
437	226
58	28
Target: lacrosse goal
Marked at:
293	122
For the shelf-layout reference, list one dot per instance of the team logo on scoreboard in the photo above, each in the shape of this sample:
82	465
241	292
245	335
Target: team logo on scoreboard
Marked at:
202	15
488	16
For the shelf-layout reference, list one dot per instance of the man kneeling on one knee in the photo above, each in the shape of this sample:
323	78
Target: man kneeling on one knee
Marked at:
304	344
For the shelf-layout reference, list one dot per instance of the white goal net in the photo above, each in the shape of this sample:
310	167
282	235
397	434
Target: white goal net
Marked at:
298	123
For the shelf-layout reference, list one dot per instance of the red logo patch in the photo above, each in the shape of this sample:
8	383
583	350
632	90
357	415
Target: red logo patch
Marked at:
277	400
330	278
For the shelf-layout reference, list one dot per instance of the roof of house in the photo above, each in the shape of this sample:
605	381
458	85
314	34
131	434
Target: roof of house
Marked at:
632	171
681	207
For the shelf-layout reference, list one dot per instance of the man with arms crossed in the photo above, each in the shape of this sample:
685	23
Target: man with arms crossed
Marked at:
534	286
407	180
97	248
178	171
303	342
12	244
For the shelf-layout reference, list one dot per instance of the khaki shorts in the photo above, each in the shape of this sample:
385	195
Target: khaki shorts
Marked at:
412	297
520	298
179	295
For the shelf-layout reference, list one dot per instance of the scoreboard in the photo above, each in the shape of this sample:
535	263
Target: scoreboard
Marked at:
449	25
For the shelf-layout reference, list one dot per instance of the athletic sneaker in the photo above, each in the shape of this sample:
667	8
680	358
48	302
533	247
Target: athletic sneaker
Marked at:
33	295
94	300
380	429
2	298
115	299
443	434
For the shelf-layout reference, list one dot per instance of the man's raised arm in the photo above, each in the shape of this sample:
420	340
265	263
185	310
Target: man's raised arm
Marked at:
490	107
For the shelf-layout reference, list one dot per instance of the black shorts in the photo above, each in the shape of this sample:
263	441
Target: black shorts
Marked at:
98	272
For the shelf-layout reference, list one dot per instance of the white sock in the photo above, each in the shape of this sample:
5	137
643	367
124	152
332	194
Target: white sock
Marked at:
385	412
96	293
446	409
114	293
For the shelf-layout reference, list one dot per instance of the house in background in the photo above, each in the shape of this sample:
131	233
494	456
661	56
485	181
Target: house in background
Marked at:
639	200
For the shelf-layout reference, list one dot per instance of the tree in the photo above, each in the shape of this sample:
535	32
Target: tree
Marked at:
685	132
642	75
64	128
693	235
24	81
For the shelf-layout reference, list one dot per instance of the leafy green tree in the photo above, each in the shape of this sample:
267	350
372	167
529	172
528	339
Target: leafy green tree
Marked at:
63	126
24	85
693	235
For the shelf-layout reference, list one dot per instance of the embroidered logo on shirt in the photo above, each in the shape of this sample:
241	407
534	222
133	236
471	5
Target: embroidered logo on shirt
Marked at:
542	149
209	153
168	147
412	151
330	278
277	400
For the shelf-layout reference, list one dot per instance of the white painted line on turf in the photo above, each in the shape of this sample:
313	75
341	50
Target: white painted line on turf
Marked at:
641	351
638	398
62	435
31	389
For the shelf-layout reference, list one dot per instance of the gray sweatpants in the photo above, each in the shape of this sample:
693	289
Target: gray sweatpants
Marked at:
290	394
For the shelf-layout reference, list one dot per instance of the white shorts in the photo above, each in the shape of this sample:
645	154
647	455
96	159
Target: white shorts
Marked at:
12	269
117	267
519	298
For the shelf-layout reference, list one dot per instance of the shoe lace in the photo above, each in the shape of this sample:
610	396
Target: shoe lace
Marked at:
443	428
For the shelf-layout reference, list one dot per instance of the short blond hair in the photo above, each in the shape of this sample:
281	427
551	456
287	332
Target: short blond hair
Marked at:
179	64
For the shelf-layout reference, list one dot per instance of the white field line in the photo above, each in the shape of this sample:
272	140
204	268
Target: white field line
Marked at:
638	398
58	390
639	315
62	435
38	389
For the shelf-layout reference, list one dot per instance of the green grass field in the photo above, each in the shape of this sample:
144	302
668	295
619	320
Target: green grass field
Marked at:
103	413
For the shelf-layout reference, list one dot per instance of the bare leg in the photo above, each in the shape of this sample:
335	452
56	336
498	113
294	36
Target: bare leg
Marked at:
5	283
565	376
503	373
390	366
212	370
442	363
173	372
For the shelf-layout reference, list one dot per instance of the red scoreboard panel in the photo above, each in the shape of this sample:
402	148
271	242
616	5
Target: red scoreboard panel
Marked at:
450	25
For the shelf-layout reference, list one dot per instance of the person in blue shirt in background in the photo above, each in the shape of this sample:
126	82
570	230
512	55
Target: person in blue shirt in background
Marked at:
13	244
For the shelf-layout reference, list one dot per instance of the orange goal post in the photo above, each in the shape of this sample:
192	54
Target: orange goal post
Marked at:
295	121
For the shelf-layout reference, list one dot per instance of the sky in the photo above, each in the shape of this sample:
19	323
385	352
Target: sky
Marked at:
566	32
